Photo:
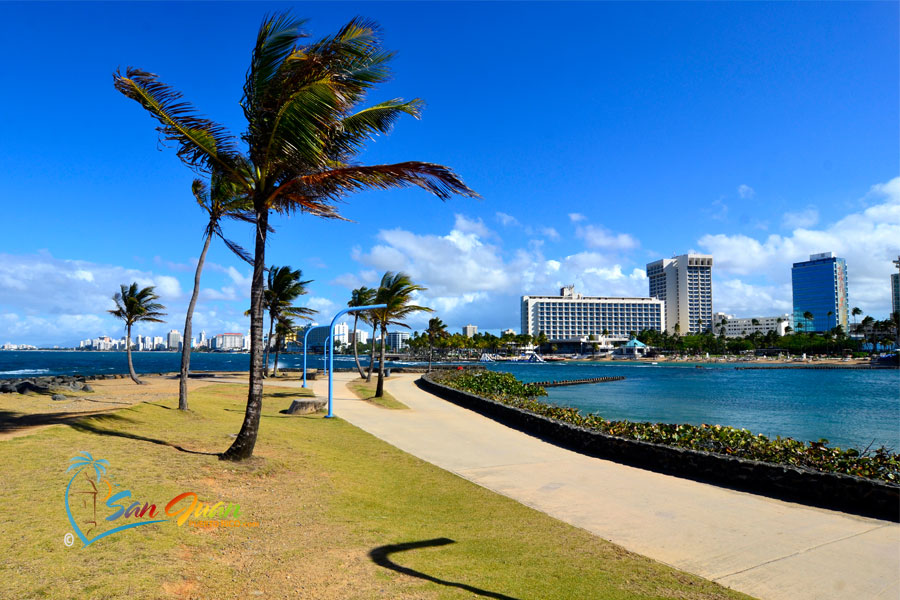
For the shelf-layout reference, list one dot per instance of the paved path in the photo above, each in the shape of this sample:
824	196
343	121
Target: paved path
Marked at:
760	546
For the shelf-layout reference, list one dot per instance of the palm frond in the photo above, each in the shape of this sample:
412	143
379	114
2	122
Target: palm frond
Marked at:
202	144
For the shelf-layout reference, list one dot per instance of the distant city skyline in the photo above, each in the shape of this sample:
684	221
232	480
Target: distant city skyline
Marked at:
678	132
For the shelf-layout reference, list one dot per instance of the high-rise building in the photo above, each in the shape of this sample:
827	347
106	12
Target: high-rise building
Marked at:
820	287
685	284
469	330
173	339
158	343
571	316
361	336
895	293
202	342
341	333
229	342
396	340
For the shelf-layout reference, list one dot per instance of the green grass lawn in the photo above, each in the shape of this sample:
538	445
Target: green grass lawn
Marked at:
366	391
341	515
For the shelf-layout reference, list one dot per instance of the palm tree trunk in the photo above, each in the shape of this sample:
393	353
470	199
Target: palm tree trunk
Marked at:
356	348
269	344
430	355
379	388
371	354
277	351
186	347
134	377
243	445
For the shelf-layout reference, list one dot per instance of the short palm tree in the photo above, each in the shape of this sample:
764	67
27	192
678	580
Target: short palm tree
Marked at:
808	317
221	200
134	305
283	329
282	289
865	325
437	330
396	291
304	130
359	297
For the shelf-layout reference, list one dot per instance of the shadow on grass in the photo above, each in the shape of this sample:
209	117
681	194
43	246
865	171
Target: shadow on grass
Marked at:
294	394
91	425
11	421
380	556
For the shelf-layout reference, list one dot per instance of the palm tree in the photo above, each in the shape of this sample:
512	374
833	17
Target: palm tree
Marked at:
304	130
284	287
808	316
134	305
865	324
220	201
284	328
855	312
436	330
359	297
396	292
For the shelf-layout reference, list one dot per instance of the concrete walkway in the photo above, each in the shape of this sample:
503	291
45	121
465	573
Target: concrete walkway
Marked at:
763	547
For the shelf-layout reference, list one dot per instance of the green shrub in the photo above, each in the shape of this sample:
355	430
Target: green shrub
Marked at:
879	464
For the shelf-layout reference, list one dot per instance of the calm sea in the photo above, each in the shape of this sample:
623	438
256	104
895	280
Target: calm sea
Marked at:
848	408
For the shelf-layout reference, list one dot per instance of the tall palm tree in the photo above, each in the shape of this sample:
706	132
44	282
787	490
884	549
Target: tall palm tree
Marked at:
855	312
808	316
304	129
282	289
865	324
221	200
437	330
359	297
396	291
135	305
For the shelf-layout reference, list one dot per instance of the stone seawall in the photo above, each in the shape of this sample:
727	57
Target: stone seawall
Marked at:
856	495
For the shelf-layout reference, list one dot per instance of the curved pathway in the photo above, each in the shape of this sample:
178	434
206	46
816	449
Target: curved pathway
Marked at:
764	547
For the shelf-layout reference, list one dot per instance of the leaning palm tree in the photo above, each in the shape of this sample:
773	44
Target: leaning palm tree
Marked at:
304	130
437	330
396	291
359	297
135	305
284	287
220	200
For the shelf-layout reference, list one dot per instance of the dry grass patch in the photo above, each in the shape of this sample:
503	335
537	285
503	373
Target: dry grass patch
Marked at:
366	391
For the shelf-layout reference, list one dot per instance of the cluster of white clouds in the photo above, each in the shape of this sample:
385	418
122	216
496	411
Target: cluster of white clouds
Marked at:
472	273
472	278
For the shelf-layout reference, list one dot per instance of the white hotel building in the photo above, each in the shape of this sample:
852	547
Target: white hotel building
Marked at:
743	327
685	284
573	317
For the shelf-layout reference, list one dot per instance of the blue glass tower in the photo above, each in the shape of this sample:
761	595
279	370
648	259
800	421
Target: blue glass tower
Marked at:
820	287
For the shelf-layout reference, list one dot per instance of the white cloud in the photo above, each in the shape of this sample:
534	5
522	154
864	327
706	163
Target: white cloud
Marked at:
549	233
596	236
576	217
868	239
805	218
347	280
506	220
475	226
745	191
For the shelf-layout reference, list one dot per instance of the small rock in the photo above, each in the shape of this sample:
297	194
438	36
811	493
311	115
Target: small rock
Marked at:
58	397
87	388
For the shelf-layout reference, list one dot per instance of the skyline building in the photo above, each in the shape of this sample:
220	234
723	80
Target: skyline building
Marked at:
173	339
819	286
740	327
573	317
895	293
396	340
684	283
469	330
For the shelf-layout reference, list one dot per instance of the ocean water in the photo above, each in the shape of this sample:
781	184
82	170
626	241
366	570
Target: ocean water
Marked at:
850	408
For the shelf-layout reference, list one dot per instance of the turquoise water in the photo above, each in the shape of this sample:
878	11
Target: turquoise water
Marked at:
849	408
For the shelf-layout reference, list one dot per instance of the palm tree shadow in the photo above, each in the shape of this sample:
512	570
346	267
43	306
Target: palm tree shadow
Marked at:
90	425
380	556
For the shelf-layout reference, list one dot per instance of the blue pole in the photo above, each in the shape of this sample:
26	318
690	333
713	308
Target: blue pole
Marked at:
305	337
331	356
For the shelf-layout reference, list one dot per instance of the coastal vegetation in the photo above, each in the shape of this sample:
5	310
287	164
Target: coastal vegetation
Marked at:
396	291
304	130
283	288
881	463
136	305
362	296
330	499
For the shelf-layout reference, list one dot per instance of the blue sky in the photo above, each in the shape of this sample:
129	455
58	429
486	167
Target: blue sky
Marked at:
601	137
